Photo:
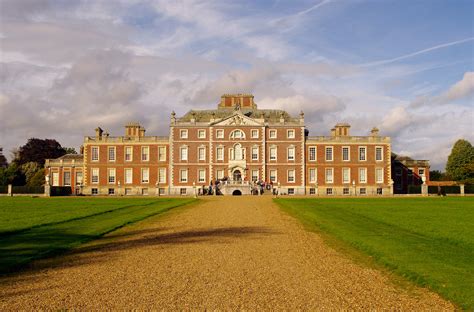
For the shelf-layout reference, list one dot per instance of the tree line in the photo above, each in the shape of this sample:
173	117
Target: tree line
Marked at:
460	164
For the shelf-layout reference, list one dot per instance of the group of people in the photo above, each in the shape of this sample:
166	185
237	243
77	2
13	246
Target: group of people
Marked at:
258	187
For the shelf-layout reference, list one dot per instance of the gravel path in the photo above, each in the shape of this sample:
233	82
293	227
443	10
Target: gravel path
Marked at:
224	253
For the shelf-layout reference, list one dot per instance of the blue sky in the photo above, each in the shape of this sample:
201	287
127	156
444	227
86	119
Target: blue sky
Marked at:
403	66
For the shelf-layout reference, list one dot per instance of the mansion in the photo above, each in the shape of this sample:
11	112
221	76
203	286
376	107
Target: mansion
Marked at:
236	148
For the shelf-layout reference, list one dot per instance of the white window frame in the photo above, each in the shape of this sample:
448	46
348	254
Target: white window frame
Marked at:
64	178
381	153
183	156
161	148
270	175
143	180
162	175
253	154
288	176
96	148
257	176
147	148
114	149
293	151
241	135
201	171
221	156
270	153
93	170
348	170
360	154
203	149
326	171
252	133
113	175
315	153
348	153
203	132
312	175
422	174
126	181
219	173
125	153
326	148
292	136
183	178
183	133
363	175
272	134
377	180
219	133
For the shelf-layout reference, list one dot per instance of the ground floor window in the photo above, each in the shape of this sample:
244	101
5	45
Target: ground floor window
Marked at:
128	191
379	191
111	191
94	191
291	191
161	191
182	191
144	191
312	191
363	191
345	191
329	191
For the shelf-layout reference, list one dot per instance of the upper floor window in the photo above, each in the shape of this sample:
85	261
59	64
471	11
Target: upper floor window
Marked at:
183	153
378	175
183	133
291	134
67	178
273	176
329	175
273	153
421	172
201	134
162	175
329	154
255	153
145	153
378	153
345	153
291	153
161	153
201	153
291	176
95	175
237	134
220	153
128	153
346	175
273	134
111	175
145	175
254	133
111	153
202	175
237	152
362	153
312	175
183	175
128	176
363	175
312	153
95	153
219	134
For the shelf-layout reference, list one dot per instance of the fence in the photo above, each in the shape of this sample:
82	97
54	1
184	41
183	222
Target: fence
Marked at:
3	189
60	190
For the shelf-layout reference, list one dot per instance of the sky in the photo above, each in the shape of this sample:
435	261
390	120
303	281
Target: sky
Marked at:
406	67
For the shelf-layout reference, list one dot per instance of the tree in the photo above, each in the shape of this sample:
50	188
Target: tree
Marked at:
70	150
30	169
437	175
460	162
37	179
3	159
12	175
37	150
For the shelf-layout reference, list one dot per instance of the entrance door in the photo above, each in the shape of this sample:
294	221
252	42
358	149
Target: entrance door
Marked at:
237	176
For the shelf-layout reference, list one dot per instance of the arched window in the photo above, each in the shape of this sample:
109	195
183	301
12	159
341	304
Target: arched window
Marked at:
237	152
237	134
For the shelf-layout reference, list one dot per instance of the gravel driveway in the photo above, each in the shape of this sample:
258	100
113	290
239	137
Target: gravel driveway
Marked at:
228	253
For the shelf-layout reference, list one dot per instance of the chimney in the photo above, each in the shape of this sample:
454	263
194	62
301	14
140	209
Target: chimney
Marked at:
98	133
341	129
193	117
333	132
142	132
282	118
133	129
213	116
374	132
301	117
173	118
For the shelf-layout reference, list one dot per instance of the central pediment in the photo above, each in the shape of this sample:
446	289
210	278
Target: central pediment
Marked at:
238	119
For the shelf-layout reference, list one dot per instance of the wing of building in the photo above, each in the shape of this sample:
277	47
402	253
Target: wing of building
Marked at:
238	148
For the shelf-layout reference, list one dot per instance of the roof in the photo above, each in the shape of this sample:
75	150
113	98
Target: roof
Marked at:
271	115
71	157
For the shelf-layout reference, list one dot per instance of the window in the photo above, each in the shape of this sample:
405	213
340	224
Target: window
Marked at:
254	175
220	174
312	153
363	175
312	191
421	172
128	191
329	175
345	153
273	176
128	176
291	176
378	175
144	191
95	175
329	191
67	178
312	175
291	191
363	191
183	133
220	153
95	153
362	153
111	191
378	153
219	134
237	153
111	153
161	153
202	176
291	153
254	133
290	134
201	134
183	153
201	153
273	153
329	153
161	191
183	176
182	191
273	134
145	153
345	191
346	175
111	175
162	175
79	178
379	191
128	153
95	191
255	153
145	175
237	134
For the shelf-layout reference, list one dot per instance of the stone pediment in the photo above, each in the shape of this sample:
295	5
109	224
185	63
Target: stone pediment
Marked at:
238	119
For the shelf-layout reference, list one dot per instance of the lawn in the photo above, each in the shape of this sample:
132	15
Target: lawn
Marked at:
33	228
427	240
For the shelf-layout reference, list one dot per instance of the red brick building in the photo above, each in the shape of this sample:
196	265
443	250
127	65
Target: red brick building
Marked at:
238	147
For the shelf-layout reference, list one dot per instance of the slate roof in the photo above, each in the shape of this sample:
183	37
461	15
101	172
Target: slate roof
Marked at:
270	115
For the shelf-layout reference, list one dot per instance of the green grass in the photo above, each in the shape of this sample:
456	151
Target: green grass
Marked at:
33	228
428	240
